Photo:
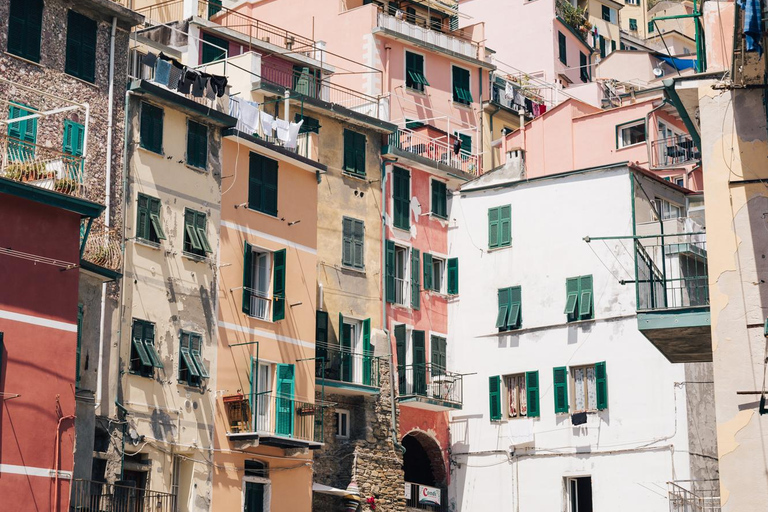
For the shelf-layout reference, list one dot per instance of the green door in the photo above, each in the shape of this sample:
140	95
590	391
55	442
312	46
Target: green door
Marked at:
419	364
346	351
284	399
254	497
367	356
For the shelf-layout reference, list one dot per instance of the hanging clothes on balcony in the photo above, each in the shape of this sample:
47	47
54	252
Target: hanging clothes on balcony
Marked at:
753	25
282	126
542	108
219	84
267	124
457	146
509	91
162	72
249	116
149	59
519	99
578	418
210	94
536	110
186	80
198	88
528	106
293	135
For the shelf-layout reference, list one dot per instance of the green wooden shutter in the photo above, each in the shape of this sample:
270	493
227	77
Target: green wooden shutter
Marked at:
254	398
149	345
151	128
321	338
571	296
400	350
505	225
247	277
453	276
493	227
214	48
390	270
415	280
439	199
255	184
278	286
81	47
419	363
349	151
601	384
427	271
345	346
360	143
514	318
73	138
585	298
347	257
501	316
25	23
142	217
560	379
284	399
270	181
197	349
186	358
368	378
214	6
79	346
202	231
438	356
401	190
358	244
154	218
197	144
192	242
602	46
532	393
494	397
561	48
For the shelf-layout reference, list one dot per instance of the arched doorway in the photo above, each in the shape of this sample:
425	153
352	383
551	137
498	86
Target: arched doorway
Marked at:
423	460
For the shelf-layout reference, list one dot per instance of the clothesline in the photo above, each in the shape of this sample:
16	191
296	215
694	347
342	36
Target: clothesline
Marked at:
253	120
176	76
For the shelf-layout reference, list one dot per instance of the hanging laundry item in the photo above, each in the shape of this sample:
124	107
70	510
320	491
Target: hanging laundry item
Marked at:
267	124
578	418
293	135
519	99
234	107
209	92
281	126
543	108
187	80
249	117
528	106
149	59
219	84
162	72
753	25
536	112
457	146
198	88
174	77
509	91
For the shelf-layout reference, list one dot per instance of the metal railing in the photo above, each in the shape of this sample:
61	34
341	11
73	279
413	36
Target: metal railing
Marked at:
414	499
673	151
276	415
104	250
500	89
303	142
335	363
90	496
249	26
573	16
438	150
672	272
430	381
694	496
42	167
420	28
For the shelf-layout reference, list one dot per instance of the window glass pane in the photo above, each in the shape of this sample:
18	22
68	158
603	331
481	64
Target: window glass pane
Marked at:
578	381
633	134
591	391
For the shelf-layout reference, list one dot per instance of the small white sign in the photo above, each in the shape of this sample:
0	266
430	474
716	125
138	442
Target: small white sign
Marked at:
407	491
429	495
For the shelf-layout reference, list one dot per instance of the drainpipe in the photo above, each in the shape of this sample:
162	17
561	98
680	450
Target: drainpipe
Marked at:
393	418
54	505
490	127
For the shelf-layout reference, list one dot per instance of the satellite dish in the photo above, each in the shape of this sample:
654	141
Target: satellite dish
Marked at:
658	72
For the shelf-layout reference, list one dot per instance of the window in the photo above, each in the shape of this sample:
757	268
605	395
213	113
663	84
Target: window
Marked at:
630	133
606	13
397	259
583	67
354	361
439	199
590	388
24	28
438	355
191	367
434	272
214	7
261	383
401	198
509	315
668	210
262	184
310	124
632	24
257	280
195	237
680	182
461	89
414	72
561	48
499	226
151	129
81	47
613	46
74	133
23	134
321	327
354	153
342	423
466	142
197	144
579	301
148	225
353	243
522	396
579	491
214	48
144	357
602	47
651	27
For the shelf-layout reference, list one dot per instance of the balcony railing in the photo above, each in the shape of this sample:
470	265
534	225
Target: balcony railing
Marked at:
90	496
673	151
419	28
42	167
573	16
694	496
672	272
337	364
510	95
430	381
104	250
304	144
275	416
437	150
415	498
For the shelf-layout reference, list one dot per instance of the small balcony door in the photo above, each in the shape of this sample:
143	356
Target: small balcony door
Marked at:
284	399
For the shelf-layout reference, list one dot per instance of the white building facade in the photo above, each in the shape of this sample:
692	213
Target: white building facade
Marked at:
567	405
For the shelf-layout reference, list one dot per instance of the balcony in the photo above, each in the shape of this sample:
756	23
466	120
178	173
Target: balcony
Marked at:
417	29
505	91
417	499
425	146
347	373
426	386
671	152
280	421
673	294
694	496
574	17
103	255
42	167
90	496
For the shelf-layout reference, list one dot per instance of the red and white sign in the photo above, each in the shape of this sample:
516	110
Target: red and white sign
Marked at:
429	495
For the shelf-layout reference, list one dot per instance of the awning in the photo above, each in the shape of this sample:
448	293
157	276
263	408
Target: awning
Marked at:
326	489
680	64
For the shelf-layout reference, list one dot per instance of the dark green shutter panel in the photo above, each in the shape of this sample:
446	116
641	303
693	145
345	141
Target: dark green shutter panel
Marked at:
427	271
401	185
358	244
278	286
197	144
400	350
602	46
262	184
214	6
254	182
494	397
73	138
321	339
349	151
415	279
601	383
151	128
81	47
561	48
503	311
514	317
284	400
419	363
505	225
247	277
560	379
25	23
532	393
571	296
154	218
216	50
493	227
360	153
142	217
270	181
438	360
346	242
367	352
345	346
453	276
585	297
79	346
390	270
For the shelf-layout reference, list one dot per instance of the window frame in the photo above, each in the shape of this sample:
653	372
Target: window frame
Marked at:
260	191
500	232
439	341
31	20
195	241
79	38
250	289
605	10
152	227
418	81
444	196
507	298
200	153
528	391
148	145
630	124
147	358
583	67
406	271
353	152
633	24
461	96
573	306
338	414
190	356
351	238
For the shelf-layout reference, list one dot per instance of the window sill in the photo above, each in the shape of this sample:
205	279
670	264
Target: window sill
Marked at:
260	319
361	177
201	170
433	215
82	80
353	269
24	59
147	243
404	230
195	257
580	322
137	374
458	104
262	213
494	249
636	144
150	152
416	91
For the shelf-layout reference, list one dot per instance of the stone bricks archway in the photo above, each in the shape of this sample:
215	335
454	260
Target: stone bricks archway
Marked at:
423	460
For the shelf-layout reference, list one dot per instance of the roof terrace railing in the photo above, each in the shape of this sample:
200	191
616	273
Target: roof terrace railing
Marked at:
427	31
440	151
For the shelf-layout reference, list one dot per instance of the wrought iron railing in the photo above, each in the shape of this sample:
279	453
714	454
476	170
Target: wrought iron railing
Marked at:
694	496
103	249
430	381
337	364
90	496
416	498
672	272
428	31
42	167
437	150
673	151
275	415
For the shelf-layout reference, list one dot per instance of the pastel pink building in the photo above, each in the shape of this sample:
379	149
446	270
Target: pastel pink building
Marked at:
575	135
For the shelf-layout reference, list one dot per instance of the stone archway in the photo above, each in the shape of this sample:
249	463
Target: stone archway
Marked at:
423	460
